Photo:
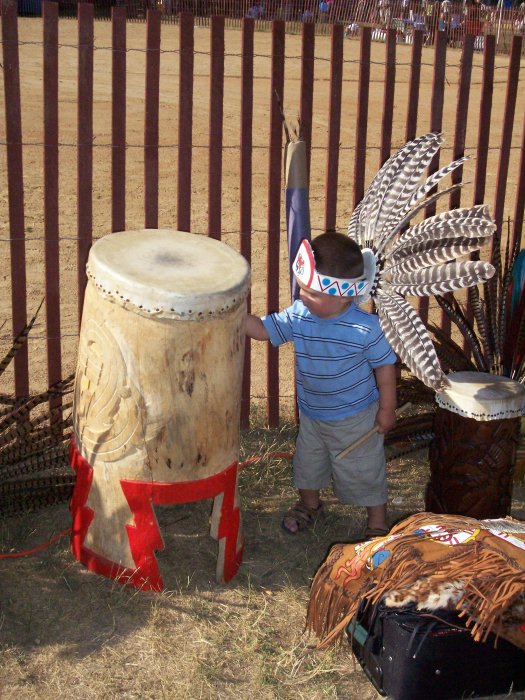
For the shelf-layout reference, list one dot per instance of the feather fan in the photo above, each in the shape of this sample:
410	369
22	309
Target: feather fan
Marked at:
34	441
424	259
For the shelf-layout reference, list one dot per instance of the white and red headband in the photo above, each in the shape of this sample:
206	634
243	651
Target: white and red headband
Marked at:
304	269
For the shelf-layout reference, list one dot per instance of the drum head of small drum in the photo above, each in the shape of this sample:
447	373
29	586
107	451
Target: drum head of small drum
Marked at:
169	274
482	396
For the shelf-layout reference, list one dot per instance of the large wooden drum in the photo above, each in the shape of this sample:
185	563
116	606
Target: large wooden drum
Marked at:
157	397
473	454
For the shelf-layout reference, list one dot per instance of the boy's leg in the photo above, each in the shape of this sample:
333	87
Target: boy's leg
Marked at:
310	498
377	517
311	468
360	477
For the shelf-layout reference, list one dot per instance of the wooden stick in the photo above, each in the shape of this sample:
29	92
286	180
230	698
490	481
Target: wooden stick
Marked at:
371	432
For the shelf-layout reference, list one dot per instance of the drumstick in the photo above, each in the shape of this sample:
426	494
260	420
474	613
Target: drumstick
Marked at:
368	434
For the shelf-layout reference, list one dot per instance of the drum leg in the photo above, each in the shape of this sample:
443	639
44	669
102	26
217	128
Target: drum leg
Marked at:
141	539
226	527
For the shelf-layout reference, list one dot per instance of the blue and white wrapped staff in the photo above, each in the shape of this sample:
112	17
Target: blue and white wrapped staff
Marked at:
297	203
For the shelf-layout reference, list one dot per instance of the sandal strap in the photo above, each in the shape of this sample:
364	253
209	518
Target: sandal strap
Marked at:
304	515
303	512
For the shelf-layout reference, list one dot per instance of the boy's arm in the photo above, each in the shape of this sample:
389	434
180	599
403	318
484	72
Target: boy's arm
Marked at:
386	384
255	329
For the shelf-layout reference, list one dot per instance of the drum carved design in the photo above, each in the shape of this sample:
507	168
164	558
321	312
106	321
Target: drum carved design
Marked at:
107	405
471	464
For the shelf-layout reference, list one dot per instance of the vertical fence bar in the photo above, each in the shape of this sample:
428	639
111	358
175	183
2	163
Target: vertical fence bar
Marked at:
517	233
438	98
186	66
436	121
306	113
362	116
246	189
118	120
459	138
51	220
334	127
85	145
274	210
151	121
482	149
216	127
460	133
485	112
307	88
15	186
503	169
506	140
413	91
388	96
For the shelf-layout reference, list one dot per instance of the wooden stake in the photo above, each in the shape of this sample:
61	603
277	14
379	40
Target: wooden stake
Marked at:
371	432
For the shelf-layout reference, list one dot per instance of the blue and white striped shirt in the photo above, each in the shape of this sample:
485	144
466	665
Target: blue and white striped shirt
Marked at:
334	358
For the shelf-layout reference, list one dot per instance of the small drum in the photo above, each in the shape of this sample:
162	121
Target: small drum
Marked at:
473	453
157	397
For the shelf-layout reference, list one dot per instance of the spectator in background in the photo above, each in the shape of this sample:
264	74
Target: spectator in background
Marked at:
255	12
384	13
445	16
473	22
520	19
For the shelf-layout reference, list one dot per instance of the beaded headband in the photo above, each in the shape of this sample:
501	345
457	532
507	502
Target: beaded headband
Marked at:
304	269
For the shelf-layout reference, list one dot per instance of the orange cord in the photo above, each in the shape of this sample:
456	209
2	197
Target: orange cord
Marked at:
250	460
13	555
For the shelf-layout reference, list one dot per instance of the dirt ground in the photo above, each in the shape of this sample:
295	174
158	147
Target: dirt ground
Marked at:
65	632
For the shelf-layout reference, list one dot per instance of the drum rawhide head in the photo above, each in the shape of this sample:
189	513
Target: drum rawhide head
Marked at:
161	273
482	396
419	260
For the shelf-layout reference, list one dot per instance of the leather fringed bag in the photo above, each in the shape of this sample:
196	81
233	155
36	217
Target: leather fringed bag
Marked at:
434	561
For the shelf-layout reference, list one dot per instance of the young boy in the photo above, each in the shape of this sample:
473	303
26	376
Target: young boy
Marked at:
346	382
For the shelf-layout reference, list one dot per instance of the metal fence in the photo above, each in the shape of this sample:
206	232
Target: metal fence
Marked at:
334	139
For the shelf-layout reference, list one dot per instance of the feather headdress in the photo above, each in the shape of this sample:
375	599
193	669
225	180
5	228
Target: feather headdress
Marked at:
420	260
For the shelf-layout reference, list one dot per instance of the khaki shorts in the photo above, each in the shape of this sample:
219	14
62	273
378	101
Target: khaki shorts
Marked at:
360	477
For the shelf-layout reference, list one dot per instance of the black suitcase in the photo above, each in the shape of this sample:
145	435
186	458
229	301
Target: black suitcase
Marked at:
413	655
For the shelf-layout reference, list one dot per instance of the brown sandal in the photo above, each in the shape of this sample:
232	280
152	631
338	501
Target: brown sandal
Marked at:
304	516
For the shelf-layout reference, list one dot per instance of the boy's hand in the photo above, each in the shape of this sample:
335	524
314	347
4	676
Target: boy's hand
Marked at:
385	419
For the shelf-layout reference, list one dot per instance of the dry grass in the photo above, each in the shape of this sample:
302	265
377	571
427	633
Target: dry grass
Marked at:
67	633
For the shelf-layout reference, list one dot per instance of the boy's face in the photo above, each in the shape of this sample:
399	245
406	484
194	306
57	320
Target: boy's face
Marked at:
323	305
